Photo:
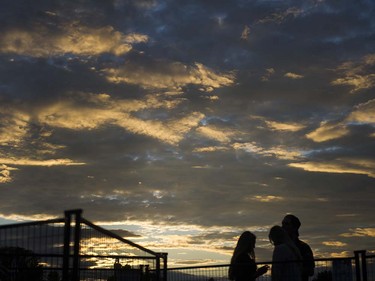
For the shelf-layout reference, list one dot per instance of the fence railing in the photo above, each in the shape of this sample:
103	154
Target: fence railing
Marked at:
72	249
360	267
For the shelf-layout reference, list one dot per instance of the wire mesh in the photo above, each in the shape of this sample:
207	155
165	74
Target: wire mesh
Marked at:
32	250
105	255
370	262
36	251
73	248
338	269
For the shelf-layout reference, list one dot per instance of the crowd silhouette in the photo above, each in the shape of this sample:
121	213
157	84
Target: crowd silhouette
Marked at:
292	259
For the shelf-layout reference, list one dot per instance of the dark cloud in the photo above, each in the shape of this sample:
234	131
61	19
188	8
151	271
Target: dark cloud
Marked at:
207	114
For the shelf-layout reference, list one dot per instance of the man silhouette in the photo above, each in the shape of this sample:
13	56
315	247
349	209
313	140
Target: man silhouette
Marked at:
291	224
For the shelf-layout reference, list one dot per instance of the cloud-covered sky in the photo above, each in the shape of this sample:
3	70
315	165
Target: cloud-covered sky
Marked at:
187	122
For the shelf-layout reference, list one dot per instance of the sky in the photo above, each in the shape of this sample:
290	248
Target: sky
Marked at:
188	122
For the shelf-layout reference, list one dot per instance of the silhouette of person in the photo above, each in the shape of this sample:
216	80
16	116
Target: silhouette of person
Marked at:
242	265
291	225
286	265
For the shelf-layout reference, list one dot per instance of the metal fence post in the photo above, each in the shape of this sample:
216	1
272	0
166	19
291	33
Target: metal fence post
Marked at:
77	239
66	253
364	265
165	266
74	274
360	265
157	269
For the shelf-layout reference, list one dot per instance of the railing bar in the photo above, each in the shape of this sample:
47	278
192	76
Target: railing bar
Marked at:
258	263
114	235
23	224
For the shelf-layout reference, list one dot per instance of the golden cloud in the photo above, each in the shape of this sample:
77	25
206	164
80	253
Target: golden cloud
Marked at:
170	76
293	75
215	133
356	74
245	33
363	113
280	152
5	173
341	166
210	149
328	132
360	232
74	39
334	243
342	254
70	114
269	73
267	198
36	217
33	162
278	126
14	127
170	132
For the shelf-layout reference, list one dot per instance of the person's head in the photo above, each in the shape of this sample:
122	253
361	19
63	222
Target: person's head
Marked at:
246	241
278	235
245	244
291	224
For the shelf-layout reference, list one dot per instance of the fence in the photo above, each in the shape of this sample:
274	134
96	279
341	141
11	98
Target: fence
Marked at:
361	267
72	249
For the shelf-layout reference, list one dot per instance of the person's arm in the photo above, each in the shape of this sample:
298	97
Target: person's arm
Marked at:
261	270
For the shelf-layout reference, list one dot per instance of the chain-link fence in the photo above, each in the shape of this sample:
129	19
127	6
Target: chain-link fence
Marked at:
357	268
71	249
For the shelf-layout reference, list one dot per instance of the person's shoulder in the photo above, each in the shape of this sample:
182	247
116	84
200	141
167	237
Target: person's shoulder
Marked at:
281	248
304	248
303	244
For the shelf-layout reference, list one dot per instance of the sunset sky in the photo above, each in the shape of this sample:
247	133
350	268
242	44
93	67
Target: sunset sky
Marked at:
188	122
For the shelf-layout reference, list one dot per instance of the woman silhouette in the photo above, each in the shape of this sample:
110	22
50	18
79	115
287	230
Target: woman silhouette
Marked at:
242	265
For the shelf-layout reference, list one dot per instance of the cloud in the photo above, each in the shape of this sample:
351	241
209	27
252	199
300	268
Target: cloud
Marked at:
268	74
360	232
280	17
267	198
73	38
293	75
5	175
14	126
334	244
33	162
363	113
278	126
340	166
22	218
356	74
210	149
220	135
171	132
70	114
245	33
328	131
279	152
162	75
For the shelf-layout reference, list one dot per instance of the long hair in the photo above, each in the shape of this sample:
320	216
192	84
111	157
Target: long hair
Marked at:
279	236
245	245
